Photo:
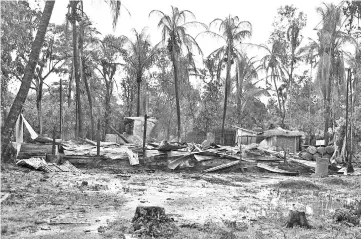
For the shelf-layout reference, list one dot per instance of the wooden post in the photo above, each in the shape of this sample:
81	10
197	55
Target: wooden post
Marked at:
98	138
61	108
53	148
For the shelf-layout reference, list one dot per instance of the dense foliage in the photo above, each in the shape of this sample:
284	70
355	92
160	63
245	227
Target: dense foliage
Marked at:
111	77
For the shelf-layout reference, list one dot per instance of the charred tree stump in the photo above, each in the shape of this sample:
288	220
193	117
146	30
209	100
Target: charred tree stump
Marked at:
152	221
297	218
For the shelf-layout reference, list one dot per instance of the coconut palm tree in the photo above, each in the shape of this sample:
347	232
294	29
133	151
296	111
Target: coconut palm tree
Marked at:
275	70
27	79
140	58
174	34
246	71
76	14
231	31
330	76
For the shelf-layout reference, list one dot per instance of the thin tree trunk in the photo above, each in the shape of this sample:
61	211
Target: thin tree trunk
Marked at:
175	69
278	95
228	76
39	103
27	78
85	80
138	96
107	111
90	101
61	108
79	128
239	97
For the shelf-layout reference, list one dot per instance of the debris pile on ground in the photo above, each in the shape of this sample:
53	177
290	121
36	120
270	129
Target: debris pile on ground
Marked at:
152	221
205	157
312	153
42	165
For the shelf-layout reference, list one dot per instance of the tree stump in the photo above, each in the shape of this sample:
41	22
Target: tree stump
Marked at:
152	221
297	218
312	149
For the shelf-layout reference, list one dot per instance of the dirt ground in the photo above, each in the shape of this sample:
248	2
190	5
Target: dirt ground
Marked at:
100	203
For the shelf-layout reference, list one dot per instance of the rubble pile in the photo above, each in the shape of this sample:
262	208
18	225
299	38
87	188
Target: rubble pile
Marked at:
311	153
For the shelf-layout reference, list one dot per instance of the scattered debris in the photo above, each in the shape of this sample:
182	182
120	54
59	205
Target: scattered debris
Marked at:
41	164
133	157
221	167
276	170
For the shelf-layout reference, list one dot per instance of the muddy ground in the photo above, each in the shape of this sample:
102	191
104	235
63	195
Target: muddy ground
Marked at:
100	203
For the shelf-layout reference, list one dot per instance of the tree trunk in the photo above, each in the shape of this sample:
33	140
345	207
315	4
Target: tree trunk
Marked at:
138	95
87	88
175	69
27	78
239	97
107	114
107	110
61	108
278	95
85	80
228	76
79	128
39	97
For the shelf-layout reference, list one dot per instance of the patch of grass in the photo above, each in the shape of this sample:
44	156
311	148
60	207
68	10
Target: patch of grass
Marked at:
335	181
297	184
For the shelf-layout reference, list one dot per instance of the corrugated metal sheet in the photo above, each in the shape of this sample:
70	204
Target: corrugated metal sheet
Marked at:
41	164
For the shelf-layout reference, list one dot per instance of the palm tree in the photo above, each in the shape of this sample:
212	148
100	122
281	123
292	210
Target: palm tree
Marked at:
274	68
231	32
174	33
75	14
140	58
245	73
330	71
27	79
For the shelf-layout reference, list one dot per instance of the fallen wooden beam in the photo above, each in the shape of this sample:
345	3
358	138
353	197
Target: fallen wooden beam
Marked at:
176	162
120	135
310	164
227	165
90	142
276	170
133	157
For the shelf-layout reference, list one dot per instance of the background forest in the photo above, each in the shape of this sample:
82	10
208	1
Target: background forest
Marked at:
294	82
